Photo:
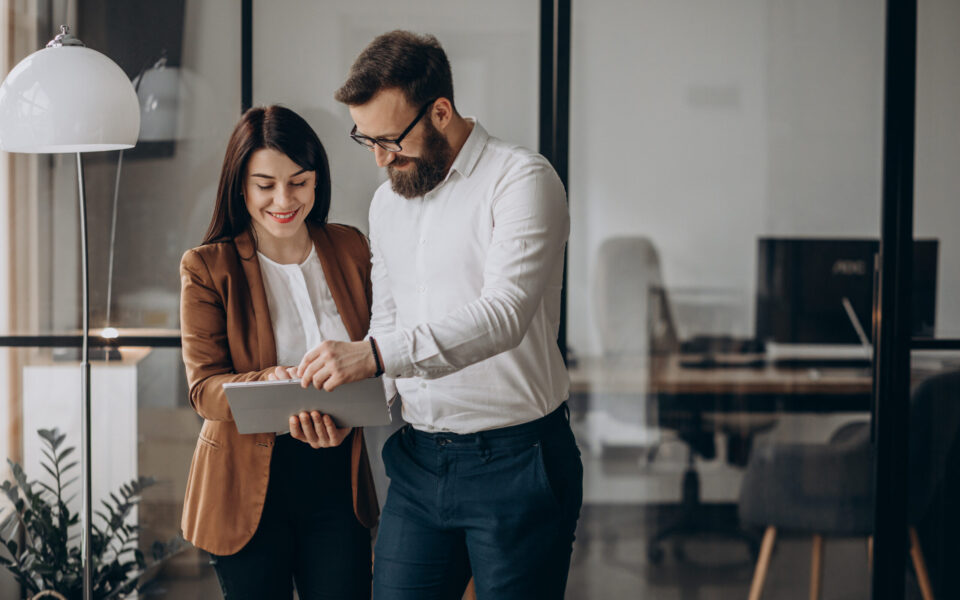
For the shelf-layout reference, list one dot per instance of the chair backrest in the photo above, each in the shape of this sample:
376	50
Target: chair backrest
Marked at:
934	441
631	311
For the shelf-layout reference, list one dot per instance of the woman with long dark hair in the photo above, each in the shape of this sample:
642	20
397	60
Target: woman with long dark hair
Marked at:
271	281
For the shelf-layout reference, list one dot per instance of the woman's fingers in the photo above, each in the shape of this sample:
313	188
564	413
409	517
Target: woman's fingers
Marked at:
282	373
317	429
309	431
334	433
296	431
323	440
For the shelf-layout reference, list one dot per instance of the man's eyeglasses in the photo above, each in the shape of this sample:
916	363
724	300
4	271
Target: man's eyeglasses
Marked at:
390	145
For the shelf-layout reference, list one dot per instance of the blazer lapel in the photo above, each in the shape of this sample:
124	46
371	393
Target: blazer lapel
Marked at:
267	345
336	282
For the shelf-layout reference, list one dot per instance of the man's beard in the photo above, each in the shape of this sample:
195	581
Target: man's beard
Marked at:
429	168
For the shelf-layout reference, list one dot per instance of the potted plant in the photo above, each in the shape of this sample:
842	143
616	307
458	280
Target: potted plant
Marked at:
46	560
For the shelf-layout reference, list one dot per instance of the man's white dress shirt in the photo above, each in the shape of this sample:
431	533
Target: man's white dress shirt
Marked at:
302	309
466	290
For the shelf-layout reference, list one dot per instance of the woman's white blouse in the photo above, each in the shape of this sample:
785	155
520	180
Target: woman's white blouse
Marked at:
302	309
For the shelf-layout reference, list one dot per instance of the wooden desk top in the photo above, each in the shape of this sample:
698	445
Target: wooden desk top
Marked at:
630	376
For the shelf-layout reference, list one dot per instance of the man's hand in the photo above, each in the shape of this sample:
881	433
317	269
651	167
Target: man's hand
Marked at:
332	364
317	429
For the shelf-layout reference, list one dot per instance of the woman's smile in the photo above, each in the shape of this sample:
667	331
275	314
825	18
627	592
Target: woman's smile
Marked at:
284	217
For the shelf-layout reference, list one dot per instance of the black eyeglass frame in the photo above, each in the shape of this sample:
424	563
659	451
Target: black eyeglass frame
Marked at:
369	142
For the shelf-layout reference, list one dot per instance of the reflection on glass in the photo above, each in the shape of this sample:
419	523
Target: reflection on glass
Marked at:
703	419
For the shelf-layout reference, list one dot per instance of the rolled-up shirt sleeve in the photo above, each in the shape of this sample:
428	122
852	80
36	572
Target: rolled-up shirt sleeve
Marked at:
530	227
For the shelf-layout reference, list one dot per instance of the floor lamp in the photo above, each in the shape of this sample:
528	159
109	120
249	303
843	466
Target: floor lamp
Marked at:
67	98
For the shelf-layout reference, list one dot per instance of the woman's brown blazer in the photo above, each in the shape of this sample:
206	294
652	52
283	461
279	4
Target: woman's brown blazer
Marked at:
228	336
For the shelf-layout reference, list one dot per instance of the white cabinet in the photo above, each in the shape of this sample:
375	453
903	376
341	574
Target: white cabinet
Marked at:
52	398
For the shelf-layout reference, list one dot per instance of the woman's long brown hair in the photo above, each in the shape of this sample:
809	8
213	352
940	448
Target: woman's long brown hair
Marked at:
280	129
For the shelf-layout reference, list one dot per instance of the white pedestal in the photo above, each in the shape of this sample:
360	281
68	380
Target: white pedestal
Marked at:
52	398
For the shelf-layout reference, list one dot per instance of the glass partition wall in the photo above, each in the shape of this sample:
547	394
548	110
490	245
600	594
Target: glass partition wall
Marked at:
145	207
934	437
724	176
725	185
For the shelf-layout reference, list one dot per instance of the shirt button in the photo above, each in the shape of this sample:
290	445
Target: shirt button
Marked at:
423	241
422	288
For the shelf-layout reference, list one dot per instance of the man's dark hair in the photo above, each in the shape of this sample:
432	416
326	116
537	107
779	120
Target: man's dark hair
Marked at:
415	64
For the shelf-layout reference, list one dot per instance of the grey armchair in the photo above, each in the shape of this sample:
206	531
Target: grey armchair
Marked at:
827	489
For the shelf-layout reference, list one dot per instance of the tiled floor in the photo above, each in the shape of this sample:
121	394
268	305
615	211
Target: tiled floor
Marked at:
626	500
609	562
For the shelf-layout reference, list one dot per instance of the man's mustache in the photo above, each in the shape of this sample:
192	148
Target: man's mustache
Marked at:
401	161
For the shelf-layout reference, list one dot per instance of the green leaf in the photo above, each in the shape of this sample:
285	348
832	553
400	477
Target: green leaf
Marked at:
50	470
109	509
49	435
21	478
158	549
49	456
47	488
9	526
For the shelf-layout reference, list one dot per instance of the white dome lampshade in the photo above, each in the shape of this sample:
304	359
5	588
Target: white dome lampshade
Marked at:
158	91
67	98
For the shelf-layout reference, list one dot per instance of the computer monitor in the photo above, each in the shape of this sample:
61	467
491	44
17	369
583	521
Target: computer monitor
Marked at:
801	284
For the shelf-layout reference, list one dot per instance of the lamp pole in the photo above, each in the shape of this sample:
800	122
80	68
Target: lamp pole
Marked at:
86	463
69	99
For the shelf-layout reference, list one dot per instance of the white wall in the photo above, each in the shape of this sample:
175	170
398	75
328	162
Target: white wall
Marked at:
303	51
705	125
937	174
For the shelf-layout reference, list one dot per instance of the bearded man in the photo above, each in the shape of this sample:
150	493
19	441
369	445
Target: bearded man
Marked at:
467	241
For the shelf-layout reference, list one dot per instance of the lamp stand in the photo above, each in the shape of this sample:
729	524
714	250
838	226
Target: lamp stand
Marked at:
86	464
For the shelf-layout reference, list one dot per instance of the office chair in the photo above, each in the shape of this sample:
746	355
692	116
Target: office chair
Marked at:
625	269
827	490
634	318
696	429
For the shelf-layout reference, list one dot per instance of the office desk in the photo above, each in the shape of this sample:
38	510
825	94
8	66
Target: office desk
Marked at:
726	389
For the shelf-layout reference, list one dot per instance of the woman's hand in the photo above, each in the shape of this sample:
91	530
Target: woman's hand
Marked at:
312	428
317	429
282	373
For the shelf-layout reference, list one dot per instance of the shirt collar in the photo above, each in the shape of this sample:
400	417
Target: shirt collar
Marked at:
472	148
